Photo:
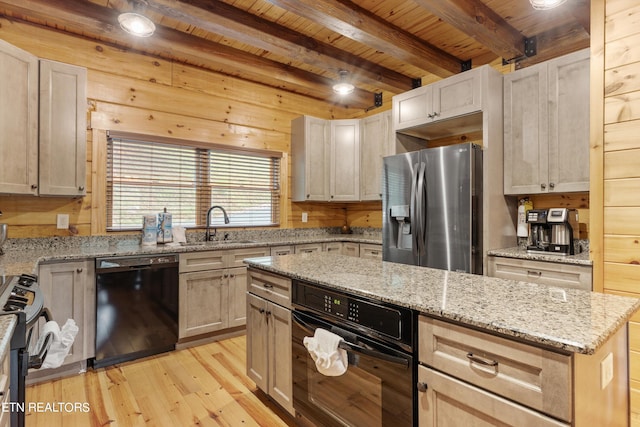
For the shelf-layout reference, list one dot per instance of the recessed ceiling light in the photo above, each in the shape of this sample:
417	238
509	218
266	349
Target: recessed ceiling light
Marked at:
136	24
545	4
343	87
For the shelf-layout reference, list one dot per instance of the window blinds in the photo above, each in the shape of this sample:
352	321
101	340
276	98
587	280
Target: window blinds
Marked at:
146	176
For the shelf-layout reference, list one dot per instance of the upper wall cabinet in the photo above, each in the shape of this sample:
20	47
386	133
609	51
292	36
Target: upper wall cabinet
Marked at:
18	121
451	97
546	126
57	94
309	159
344	155
325	159
63	140
376	142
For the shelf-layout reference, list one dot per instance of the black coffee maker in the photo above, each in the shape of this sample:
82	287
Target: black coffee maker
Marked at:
539	231
564	227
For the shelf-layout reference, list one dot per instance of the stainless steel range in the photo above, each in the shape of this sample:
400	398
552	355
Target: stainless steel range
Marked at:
21	296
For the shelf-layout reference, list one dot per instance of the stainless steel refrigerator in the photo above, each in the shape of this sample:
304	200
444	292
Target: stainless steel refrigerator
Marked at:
432	208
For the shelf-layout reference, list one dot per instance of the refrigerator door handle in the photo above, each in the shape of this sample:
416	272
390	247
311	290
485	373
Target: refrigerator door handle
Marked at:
413	214
421	200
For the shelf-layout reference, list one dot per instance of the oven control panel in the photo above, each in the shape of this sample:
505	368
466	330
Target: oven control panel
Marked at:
383	319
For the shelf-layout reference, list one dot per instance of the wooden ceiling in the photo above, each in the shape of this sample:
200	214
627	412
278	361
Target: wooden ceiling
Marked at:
301	45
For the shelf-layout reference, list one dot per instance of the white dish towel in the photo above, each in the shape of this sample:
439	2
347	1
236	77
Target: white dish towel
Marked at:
323	348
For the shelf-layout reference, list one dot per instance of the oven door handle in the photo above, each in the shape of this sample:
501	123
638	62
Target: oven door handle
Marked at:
348	346
344	345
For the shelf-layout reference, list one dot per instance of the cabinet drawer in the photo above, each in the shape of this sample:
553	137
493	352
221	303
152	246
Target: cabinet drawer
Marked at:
236	256
546	273
308	248
281	250
534	377
271	287
198	261
370	251
448	401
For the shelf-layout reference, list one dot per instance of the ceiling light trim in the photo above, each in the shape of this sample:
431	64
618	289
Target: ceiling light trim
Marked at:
546	4
136	24
343	87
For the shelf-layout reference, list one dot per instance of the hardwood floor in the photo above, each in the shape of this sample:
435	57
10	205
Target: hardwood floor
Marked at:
204	386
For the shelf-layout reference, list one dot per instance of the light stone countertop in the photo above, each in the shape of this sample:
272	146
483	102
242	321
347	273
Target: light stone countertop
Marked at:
8	323
520	253
569	320
24	255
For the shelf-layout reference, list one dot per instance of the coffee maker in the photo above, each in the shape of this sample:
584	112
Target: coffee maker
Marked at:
564	227
539	230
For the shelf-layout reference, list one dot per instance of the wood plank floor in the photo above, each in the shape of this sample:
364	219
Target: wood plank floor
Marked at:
204	386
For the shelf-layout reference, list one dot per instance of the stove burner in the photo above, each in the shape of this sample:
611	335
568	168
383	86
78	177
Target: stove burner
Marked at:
27	280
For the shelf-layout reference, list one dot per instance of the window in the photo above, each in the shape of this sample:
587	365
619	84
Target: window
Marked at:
146	175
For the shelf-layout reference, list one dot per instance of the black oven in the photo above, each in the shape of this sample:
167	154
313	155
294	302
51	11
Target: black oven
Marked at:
378	387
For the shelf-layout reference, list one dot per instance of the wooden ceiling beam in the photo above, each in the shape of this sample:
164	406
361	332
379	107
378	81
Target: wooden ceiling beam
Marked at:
360	25
228	21
557	42
96	22
581	11
478	21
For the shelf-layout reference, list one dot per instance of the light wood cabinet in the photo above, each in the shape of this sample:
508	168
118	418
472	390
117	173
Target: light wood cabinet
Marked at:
308	248
69	292
213	286
309	159
546	126
333	247
377	138
344	154
18	120
43	125
368	250
471	377
544	272
351	249
281	250
63	129
325	159
269	337
451	97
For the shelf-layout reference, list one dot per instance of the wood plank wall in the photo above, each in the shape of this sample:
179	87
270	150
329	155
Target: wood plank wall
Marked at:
137	93
615	160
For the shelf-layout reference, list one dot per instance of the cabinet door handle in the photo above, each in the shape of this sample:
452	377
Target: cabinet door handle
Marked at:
473	358
81	188
261	310
551	185
534	273
543	186
267	285
78	270
422	387
34	187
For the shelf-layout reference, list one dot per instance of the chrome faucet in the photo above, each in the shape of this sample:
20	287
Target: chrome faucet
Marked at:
207	234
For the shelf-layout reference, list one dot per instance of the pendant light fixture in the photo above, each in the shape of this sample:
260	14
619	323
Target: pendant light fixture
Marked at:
546	4
343	87
136	24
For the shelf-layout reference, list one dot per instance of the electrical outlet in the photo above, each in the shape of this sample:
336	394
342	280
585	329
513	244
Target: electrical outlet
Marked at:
606	371
62	221
305	217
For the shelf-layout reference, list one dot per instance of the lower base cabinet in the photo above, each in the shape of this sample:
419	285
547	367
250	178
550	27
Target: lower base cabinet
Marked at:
543	272
269	338
69	292
471	378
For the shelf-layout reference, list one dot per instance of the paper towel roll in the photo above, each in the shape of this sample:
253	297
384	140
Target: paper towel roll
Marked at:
149	229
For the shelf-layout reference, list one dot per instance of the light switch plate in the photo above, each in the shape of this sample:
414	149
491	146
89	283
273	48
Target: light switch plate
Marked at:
62	221
305	217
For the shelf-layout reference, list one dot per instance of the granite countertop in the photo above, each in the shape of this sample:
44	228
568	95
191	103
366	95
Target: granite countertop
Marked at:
7	325
24	255
566	319
520	253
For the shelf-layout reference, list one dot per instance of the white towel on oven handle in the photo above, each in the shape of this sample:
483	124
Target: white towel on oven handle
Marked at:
61	344
330	360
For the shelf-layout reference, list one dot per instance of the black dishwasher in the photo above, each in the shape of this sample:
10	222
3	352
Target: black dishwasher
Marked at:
136	307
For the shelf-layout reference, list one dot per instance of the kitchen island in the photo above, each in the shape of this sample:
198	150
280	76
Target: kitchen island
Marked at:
584	332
